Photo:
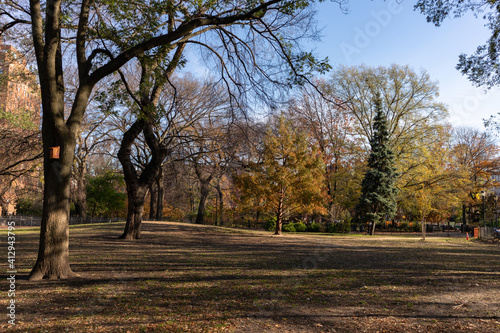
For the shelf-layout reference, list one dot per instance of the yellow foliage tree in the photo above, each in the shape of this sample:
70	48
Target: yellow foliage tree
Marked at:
431	189
289	178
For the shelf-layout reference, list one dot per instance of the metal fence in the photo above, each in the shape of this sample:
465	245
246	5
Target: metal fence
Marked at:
35	221
486	233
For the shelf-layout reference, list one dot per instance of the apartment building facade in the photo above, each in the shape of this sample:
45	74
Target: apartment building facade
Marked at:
19	118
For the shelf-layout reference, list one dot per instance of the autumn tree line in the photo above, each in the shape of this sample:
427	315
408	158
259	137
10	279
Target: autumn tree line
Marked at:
304	161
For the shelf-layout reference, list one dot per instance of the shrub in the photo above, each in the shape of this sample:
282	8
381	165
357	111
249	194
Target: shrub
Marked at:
300	227
404	226
343	227
289	227
29	206
190	217
314	227
270	224
104	195
417	227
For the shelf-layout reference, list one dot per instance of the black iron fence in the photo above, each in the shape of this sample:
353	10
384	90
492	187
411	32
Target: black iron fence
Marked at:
35	221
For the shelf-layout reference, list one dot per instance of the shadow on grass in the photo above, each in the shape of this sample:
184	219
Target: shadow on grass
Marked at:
189	278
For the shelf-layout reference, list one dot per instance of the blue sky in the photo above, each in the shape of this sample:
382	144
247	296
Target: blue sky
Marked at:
385	32
381	33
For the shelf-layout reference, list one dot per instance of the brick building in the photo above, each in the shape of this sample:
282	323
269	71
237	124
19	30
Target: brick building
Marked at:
19	96
19	119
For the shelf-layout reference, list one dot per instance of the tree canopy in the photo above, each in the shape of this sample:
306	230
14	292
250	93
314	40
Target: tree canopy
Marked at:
408	100
482	67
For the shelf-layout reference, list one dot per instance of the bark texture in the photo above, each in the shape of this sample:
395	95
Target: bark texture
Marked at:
81	191
161	195
138	184
219	219
205	181
204	193
53	251
153	201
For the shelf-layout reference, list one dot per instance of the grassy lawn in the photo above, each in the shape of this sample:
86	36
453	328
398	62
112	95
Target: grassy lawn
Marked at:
187	278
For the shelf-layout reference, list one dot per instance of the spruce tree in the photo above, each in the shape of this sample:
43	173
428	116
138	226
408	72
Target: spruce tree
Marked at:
378	192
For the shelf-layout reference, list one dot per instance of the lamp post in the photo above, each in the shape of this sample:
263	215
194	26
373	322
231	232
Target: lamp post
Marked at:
483	194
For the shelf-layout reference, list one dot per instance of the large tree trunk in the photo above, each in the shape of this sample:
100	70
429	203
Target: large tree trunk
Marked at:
136	201
137	185
53	251
218	219
81	191
153	202
204	192
134	213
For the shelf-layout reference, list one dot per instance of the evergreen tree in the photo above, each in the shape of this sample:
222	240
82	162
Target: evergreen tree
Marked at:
378	197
